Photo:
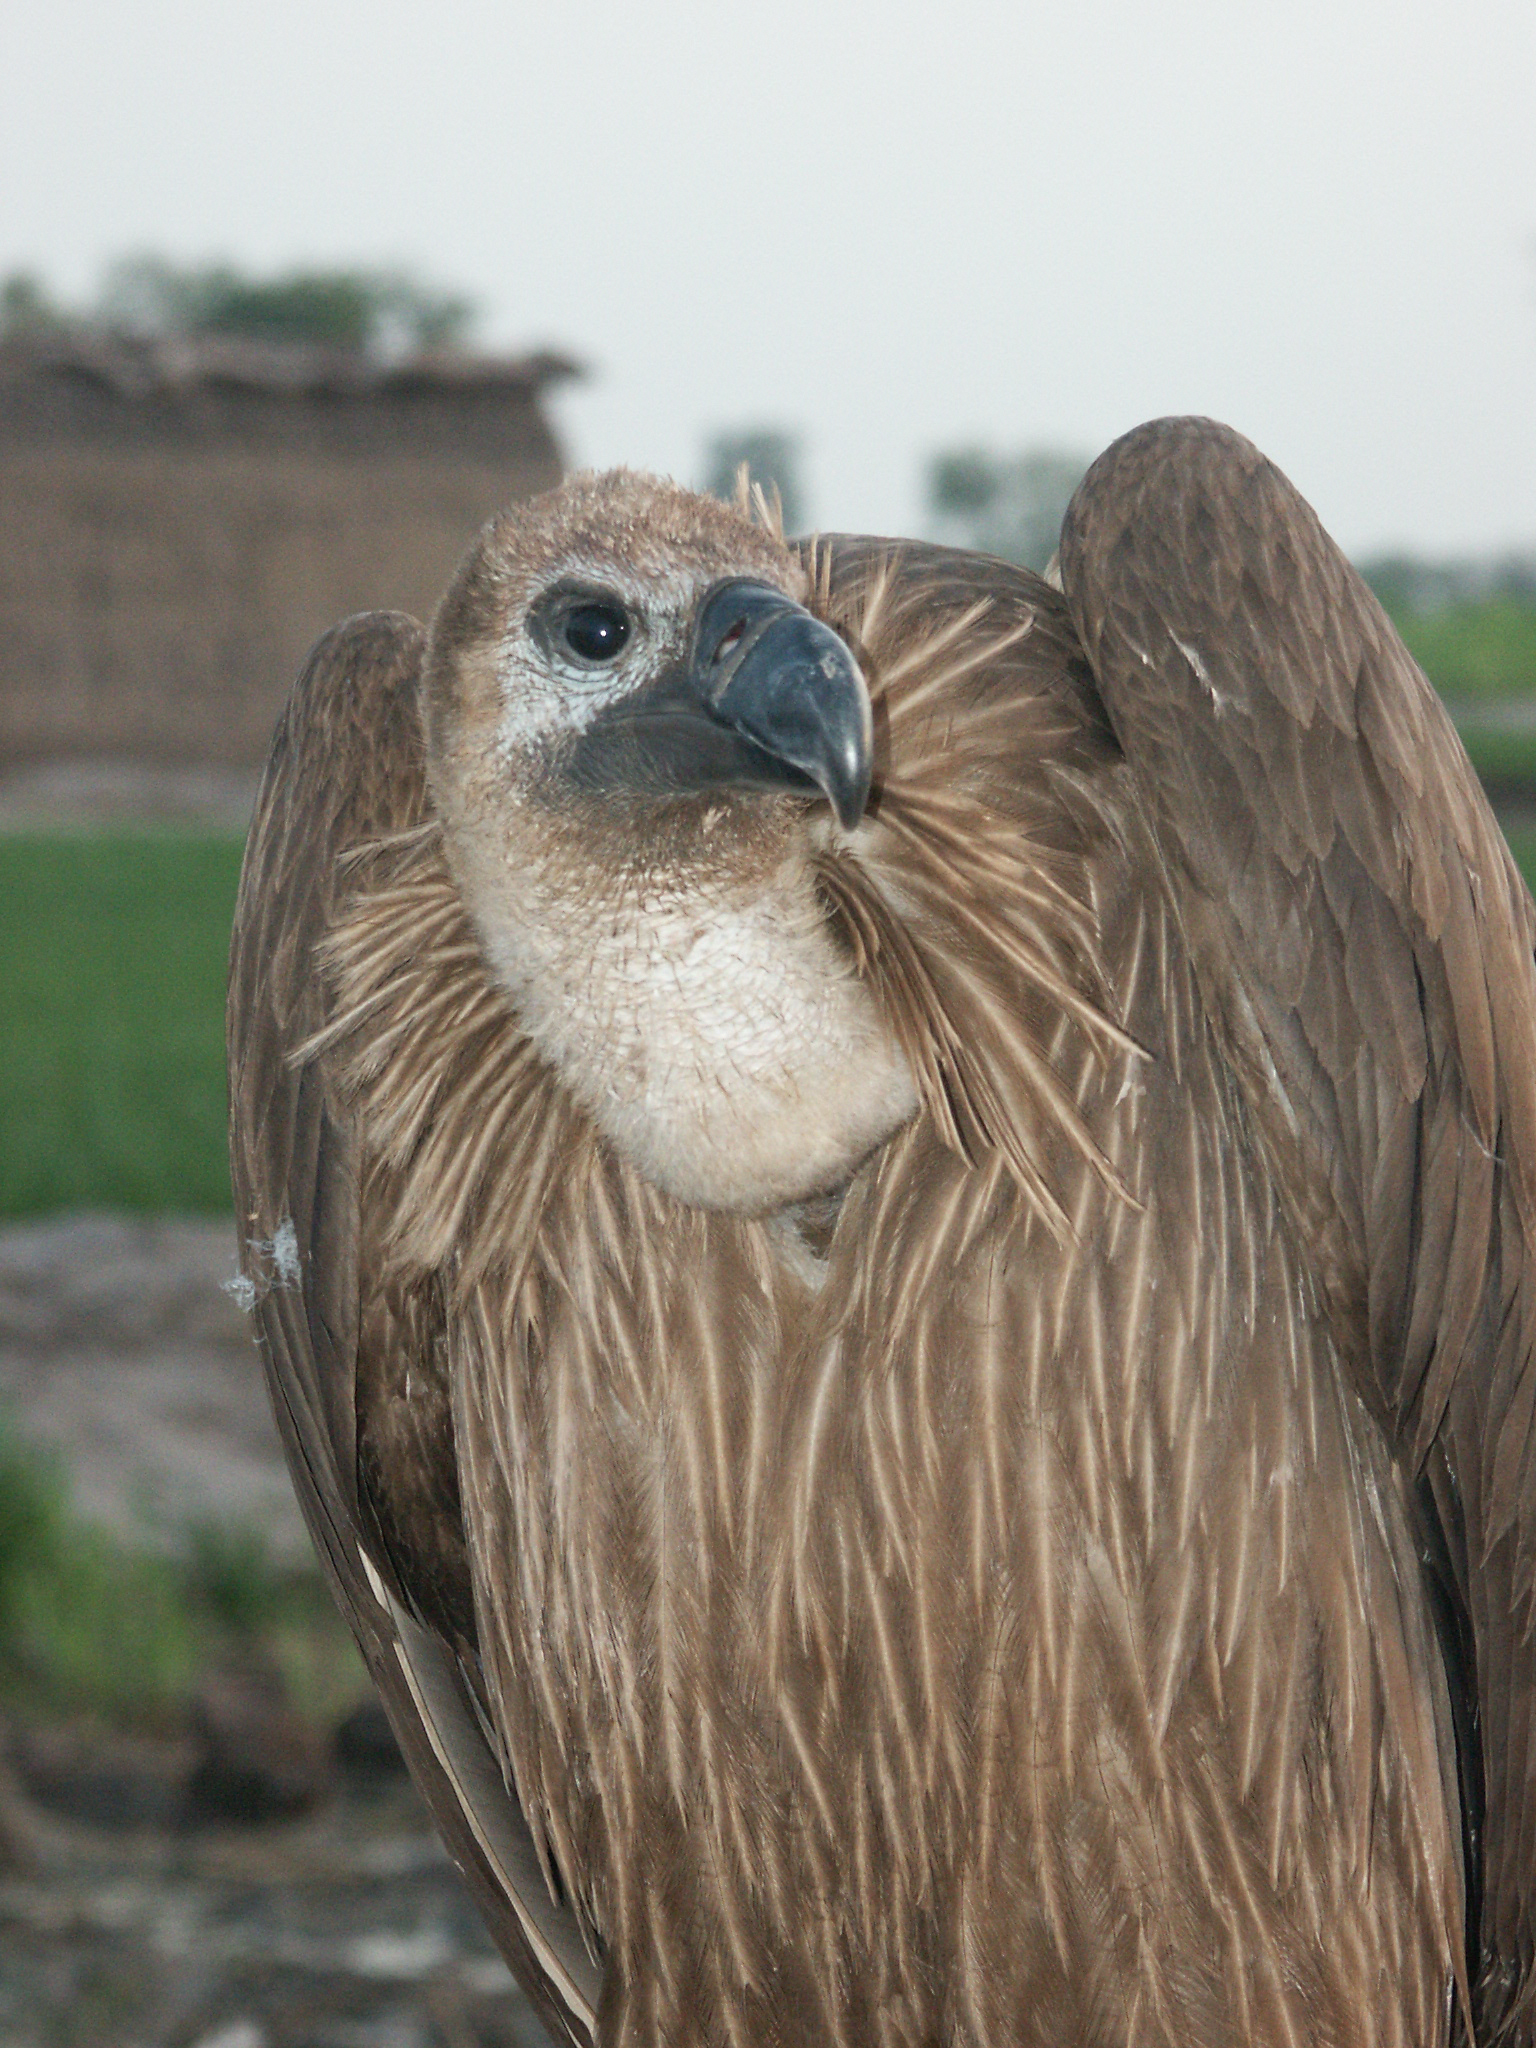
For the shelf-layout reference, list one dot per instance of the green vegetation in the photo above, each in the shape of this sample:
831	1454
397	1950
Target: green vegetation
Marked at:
83	1623
1477	653
28	310
113	951
374	312
90	1624
1504	755
1522	844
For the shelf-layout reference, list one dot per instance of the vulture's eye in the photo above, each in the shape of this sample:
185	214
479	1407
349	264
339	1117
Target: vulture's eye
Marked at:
595	632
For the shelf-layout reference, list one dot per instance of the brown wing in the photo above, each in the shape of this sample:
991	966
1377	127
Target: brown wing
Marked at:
1365	946
374	1468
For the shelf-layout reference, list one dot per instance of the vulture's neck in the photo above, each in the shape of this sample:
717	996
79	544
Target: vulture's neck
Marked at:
711	1025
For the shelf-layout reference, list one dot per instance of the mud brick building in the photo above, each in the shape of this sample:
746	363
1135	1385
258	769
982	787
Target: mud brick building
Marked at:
180	520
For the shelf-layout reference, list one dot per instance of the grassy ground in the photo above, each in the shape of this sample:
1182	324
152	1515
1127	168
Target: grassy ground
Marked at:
123	1632
113	950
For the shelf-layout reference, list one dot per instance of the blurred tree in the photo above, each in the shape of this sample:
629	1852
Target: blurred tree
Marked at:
772	457
379	312
1008	505
27	308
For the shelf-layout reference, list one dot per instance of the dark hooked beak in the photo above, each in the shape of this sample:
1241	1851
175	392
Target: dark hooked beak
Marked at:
790	687
768	698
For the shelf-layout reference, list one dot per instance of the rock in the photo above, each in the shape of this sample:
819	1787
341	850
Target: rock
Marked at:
365	1747
235	2034
348	1929
101	1779
259	1759
19	1850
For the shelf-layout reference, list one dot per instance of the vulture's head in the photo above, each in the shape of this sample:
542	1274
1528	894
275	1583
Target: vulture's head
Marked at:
640	743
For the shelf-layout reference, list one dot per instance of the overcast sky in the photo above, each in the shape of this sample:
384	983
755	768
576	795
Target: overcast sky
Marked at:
887	228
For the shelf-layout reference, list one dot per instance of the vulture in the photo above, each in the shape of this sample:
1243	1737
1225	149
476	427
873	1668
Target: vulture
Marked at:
891	1209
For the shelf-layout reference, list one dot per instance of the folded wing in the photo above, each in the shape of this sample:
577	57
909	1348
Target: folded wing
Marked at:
1364	944
336	1336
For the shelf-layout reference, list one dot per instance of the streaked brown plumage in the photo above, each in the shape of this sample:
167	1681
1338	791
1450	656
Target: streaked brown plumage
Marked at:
1072	1582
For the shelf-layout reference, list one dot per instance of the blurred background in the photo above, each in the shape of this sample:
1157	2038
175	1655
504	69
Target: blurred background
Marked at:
291	301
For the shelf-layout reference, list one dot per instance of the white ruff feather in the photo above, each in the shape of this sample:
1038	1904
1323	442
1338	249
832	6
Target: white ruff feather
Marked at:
717	1035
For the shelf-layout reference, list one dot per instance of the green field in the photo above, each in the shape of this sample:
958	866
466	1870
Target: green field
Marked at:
1475	654
1522	844
113	950
1504	755
1481	657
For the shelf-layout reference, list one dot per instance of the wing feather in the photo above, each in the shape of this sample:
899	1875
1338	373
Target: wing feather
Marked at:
1365	943
374	1472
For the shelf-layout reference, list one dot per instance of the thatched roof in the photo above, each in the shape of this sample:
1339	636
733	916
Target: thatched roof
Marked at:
140	367
92	386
